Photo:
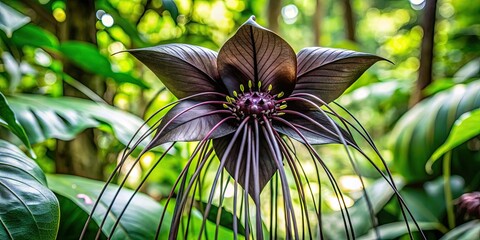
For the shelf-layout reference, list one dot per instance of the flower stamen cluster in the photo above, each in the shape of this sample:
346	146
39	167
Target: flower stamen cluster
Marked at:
255	103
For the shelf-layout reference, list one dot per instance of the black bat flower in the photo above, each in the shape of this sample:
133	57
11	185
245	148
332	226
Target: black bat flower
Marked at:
244	105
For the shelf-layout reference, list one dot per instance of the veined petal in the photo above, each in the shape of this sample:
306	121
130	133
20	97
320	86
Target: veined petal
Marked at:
266	167
257	54
192	121
184	69
315	127
327	73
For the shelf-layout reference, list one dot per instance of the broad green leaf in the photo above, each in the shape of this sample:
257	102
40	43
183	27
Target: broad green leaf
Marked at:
9	120
398	229
226	217
138	222
432	193
28	209
63	118
468	71
380	193
10	19
87	56
196	220
425	127
34	36
12	67
466	231
466	127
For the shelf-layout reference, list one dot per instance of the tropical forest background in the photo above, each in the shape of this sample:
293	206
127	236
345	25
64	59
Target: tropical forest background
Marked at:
71	101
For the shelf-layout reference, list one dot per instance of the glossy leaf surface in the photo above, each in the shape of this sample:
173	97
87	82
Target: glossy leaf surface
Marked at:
425	127
466	127
138	222
28	209
63	118
9	120
379	192
469	230
226	217
398	229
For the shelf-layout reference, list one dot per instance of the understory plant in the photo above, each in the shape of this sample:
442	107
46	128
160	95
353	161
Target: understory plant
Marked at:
258	112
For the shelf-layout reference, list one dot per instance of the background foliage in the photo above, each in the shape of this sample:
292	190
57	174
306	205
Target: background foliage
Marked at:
71	101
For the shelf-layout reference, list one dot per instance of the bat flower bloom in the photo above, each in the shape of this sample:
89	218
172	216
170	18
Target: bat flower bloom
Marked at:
258	108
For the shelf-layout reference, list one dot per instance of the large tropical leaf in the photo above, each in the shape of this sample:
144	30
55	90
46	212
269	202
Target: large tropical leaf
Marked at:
466	231
399	229
426	126
8	119
28	209
77	196
33	35
88	57
433	194
63	118
465	128
380	193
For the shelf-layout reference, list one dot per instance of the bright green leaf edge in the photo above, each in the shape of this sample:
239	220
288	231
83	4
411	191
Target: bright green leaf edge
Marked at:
9	120
465	128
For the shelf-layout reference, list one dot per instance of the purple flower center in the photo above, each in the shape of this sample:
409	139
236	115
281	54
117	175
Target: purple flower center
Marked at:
255	104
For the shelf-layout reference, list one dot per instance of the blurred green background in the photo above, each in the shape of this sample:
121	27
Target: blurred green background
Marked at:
78	99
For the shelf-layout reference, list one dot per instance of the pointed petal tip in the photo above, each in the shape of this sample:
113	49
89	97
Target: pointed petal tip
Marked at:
256	53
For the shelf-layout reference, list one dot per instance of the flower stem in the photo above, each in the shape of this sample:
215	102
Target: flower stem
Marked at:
448	190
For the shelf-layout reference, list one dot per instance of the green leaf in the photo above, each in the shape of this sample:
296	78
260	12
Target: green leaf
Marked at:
138	222
171	7
28	209
35	36
10	19
226	217
65	117
433	194
121	77
466	127
12	67
380	192
209	232
466	231
8	119
425	127
87	57
399	229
